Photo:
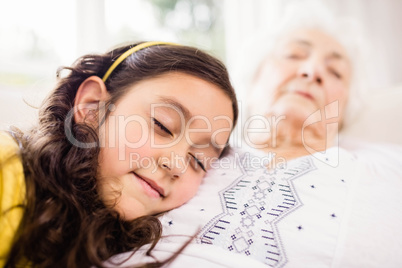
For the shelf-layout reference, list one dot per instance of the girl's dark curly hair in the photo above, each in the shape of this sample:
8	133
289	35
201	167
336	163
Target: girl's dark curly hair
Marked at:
65	223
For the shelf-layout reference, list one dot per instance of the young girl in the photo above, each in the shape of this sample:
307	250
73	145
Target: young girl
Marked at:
124	136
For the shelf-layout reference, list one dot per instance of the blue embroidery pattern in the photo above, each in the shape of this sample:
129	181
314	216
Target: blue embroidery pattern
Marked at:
252	206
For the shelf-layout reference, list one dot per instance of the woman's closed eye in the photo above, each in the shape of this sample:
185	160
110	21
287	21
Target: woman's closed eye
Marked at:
198	162
335	73
161	126
295	53
294	56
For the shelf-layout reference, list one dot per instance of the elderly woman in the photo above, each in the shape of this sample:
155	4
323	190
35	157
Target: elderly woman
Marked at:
307	86
293	197
306	80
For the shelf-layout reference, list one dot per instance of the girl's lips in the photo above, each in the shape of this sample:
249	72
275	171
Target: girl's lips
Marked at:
150	187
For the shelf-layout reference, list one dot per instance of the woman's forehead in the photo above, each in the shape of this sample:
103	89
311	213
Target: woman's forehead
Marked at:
313	39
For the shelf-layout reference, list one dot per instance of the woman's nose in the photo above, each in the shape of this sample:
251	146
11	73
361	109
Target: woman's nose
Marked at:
311	70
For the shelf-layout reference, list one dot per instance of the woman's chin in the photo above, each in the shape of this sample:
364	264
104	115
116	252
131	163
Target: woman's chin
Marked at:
296	111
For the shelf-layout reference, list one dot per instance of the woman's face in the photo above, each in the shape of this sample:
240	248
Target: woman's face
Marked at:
307	71
159	141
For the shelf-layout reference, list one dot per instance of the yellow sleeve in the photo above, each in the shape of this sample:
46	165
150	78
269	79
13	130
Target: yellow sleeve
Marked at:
12	193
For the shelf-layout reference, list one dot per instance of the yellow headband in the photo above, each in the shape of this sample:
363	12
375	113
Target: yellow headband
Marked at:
131	51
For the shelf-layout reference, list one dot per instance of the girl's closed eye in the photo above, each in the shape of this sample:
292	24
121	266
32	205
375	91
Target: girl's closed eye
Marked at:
198	162
161	126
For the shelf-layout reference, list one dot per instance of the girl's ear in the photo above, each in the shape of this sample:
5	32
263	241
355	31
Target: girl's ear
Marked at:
86	104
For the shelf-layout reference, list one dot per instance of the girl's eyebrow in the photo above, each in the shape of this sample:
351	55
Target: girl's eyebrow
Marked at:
176	104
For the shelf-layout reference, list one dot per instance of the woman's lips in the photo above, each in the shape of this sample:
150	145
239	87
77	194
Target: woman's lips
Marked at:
304	94
150	187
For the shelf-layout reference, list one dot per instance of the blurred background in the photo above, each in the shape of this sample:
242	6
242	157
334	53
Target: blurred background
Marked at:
36	37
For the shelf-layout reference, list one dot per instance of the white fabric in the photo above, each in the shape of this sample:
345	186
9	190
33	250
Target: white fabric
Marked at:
274	217
341	208
338	209
194	256
371	234
379	119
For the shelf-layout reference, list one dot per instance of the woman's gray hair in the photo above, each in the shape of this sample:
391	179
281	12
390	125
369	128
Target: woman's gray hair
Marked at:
301	15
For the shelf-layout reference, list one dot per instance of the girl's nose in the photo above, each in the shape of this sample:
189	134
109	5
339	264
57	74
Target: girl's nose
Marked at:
173	160
170	167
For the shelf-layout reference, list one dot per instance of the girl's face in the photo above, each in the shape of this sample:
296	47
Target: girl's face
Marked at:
158	142
307	71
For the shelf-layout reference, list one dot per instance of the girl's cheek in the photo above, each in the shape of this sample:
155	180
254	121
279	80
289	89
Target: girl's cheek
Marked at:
191	188
133	131
133	138
141	157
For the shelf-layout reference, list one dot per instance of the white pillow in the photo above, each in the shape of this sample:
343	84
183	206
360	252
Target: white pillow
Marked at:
380	119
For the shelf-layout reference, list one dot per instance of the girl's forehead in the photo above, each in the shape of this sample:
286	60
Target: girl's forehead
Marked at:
175	85
188	94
